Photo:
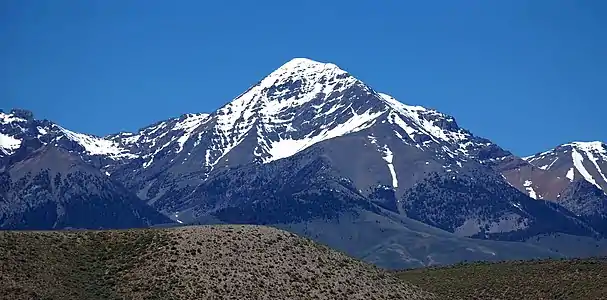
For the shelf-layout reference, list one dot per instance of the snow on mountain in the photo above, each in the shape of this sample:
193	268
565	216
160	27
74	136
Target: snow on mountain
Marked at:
576	160
425	126
170	135
420	123
337	127
300	104
8	144
529	187
13	127
305	102
388	156
95	145
20	126
10	118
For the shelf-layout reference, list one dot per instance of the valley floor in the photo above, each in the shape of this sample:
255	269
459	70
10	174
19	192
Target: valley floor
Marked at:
583	279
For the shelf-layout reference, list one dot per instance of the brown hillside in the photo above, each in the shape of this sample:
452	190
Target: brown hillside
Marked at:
203	262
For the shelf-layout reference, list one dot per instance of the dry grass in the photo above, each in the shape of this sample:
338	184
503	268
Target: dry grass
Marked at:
203	262
583	279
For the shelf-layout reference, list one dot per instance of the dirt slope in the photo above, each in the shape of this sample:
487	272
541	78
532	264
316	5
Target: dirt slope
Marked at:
202	262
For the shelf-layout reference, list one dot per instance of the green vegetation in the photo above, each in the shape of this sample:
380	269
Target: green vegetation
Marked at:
540	279
203	262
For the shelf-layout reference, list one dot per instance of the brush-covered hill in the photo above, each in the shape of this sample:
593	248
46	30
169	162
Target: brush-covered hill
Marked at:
570	279
196	262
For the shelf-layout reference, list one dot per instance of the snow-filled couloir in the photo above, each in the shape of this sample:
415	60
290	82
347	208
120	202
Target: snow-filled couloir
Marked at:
576	160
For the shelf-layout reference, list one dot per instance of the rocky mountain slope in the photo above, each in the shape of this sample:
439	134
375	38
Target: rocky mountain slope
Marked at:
215	262
547	174
577	160
52	188
309	144
49	179
577	171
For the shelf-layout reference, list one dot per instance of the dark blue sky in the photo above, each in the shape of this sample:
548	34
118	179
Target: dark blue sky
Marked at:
527	74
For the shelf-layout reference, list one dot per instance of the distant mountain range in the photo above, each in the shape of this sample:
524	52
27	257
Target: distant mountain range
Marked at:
312	149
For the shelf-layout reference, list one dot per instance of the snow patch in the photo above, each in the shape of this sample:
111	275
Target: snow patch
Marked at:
41	130
9	143
571	174
529	187
98	146
590	149
10	118
389	157
578	162
188	126
547	167
287	147
397	120
177	219
422	120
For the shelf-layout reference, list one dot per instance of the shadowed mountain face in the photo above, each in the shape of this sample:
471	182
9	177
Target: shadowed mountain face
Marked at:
587	202
308	144
480	207
52	188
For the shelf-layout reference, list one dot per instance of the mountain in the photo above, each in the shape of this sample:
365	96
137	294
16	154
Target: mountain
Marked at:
300	105
577	160
45	184
313	120
21	133
546	175
311	146
576	174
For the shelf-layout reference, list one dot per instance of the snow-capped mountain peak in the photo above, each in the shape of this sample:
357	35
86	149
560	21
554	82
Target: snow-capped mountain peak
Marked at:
20	126
300	104
576	160
305	68
284	110
14	127
595	146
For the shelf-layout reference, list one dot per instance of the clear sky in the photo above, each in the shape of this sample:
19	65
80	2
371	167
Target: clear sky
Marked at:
528	75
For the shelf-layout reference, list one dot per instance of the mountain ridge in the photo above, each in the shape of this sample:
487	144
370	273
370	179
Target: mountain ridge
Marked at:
310	143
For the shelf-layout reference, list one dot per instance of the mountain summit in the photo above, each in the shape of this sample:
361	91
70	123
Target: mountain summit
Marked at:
587	160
